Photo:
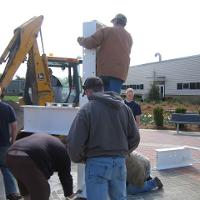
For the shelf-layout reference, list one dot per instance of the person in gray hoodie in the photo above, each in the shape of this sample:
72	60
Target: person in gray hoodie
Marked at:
102	134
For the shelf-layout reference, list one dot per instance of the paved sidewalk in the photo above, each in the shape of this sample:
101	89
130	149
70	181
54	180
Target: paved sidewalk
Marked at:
179	183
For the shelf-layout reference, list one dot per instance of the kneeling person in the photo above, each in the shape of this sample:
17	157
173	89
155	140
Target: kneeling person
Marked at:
138	175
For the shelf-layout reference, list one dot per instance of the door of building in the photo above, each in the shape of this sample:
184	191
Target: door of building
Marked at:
162	91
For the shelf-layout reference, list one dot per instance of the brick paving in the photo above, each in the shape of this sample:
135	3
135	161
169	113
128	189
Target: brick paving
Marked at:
179	183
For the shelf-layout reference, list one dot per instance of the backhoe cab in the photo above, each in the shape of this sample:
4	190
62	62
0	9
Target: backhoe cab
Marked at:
70	90
38	90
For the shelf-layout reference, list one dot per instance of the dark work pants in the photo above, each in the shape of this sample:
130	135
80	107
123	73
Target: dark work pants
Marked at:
30	179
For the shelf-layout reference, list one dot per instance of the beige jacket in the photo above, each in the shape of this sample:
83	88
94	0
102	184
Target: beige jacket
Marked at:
113	53
138	169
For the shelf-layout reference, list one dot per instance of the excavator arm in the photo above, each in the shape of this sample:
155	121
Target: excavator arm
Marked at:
23	44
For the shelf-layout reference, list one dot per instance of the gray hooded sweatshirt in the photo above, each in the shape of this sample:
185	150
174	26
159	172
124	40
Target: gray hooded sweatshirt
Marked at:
104	126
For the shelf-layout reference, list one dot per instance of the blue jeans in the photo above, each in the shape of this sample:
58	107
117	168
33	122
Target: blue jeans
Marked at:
106	178
148	186
9	180
112	84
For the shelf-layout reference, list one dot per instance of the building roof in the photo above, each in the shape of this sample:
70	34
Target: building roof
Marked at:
170	60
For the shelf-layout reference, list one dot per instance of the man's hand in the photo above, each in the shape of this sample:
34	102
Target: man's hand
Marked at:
71	197
13	131
80	39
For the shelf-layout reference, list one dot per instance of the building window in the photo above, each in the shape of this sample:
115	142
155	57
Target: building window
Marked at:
179	86
192	86
124	87
185	85
195	85
135	87
141	86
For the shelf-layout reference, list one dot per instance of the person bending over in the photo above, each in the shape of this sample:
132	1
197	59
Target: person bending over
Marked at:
34	159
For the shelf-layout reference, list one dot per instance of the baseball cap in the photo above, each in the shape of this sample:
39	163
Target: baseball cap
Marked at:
92	83
120	17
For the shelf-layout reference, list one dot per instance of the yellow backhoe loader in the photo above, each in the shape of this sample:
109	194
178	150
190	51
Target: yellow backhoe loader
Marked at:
24	47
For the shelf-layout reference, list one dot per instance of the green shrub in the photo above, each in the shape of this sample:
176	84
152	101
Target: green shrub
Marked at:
154	93
180	110
158	116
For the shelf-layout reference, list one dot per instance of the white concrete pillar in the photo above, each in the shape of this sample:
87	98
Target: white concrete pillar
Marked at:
2	189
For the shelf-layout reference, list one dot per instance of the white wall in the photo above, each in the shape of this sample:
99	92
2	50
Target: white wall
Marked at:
180	70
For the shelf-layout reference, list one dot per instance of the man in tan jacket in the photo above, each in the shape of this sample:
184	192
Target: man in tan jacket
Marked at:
138	175
114	47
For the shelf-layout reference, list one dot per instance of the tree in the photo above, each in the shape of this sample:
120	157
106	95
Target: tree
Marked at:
19	78
154	93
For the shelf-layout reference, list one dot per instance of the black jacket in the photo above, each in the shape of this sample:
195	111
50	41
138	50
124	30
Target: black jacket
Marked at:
50	155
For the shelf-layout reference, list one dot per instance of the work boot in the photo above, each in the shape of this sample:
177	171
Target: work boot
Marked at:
158	182
149	178
13	196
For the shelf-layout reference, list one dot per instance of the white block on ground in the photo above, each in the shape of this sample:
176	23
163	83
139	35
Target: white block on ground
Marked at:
167	158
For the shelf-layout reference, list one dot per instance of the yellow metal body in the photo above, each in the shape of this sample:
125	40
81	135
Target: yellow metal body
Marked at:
23	44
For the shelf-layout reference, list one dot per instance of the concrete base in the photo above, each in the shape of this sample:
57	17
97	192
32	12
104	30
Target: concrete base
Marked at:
2	190
49	119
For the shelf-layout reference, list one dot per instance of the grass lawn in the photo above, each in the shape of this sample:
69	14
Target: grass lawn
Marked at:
11	98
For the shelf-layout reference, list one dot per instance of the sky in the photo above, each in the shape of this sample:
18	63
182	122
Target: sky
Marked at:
170	27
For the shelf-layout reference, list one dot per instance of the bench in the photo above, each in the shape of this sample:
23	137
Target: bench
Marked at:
185	118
